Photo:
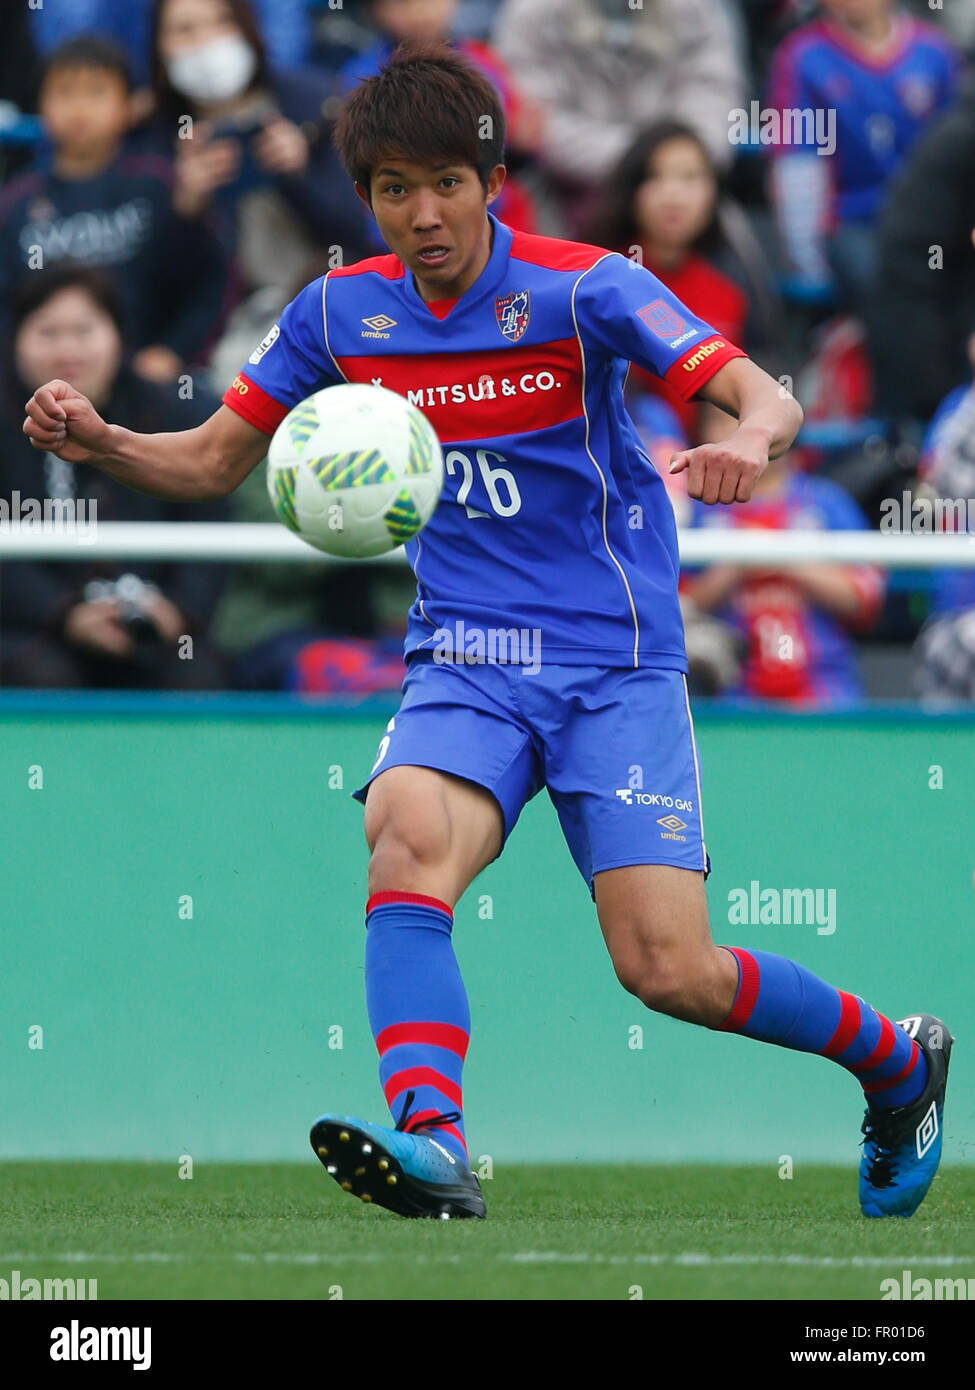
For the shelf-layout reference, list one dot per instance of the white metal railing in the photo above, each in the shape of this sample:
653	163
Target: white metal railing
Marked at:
261	541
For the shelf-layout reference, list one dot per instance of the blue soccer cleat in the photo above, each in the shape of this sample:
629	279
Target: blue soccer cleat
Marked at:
406	1171
902	1147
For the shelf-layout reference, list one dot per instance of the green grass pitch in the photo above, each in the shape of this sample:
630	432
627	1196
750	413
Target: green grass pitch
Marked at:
285	1231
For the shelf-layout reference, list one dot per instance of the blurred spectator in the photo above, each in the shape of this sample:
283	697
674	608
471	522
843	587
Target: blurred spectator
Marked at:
252	143
601	69
876	76
433	21
795	622
946	645
335	629
89	200
285	27
840	436
97	623
662	208
920	324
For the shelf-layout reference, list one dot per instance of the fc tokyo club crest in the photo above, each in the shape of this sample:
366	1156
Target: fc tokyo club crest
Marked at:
513	312
661	319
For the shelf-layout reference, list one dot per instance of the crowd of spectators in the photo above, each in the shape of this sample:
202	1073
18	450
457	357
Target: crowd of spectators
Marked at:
800	174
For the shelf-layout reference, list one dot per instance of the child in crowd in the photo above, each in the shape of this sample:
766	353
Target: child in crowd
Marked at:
90	200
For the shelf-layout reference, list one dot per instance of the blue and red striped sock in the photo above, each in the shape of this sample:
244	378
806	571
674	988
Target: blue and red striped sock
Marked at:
418	1009
781	1002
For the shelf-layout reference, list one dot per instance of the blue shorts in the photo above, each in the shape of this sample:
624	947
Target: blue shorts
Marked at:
614	746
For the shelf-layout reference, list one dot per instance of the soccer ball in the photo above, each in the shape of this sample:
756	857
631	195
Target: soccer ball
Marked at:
354	470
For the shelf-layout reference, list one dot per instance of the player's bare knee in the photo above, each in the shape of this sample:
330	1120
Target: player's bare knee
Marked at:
668	981
402	853
662	991
409	835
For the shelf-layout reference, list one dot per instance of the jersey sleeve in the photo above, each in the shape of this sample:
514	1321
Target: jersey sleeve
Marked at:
624	310
289	364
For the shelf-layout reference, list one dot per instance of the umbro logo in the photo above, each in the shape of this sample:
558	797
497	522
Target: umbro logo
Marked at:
927	1131
377	325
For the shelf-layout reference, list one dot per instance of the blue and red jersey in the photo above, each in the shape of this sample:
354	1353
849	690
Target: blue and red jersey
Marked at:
709	292
796	651
553	519
881	101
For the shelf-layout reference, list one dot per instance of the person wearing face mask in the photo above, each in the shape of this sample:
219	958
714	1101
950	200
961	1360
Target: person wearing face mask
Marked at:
286	27
251	143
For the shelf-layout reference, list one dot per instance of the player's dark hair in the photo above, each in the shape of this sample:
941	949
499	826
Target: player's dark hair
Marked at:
34	290
170	104
89	51
613	223
428	104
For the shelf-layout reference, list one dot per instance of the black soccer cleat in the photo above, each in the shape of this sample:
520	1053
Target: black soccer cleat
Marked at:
902	1147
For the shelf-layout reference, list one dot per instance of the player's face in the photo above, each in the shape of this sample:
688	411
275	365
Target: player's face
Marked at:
433	219
72	338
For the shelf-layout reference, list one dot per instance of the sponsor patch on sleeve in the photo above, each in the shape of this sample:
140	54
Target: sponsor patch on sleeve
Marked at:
263	346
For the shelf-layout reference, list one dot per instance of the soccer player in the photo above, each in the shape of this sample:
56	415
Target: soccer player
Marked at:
545	645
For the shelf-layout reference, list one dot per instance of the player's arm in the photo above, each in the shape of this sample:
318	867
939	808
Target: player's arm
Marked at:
194	465
625	311
768	421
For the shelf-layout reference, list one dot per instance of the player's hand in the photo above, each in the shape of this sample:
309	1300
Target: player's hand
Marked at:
61	421
281	148
95	625
723	472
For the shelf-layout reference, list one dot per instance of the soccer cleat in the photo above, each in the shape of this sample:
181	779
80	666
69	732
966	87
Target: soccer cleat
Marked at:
406	1171
902	1147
